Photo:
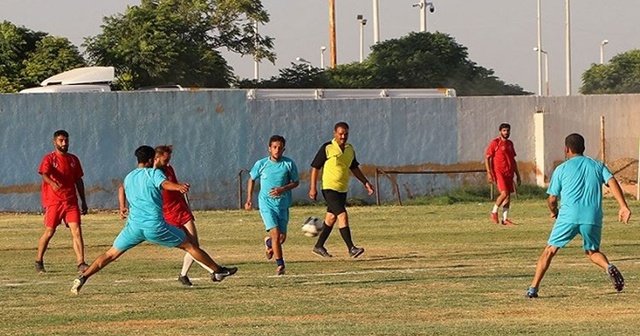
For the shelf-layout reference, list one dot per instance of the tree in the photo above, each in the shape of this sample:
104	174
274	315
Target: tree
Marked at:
296	76
419	60
621	75
176	41
28	57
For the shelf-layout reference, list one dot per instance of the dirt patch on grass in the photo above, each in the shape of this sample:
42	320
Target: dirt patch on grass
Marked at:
626	172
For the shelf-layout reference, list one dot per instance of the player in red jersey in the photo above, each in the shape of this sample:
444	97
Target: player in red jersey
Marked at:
500	162
61	176
176	210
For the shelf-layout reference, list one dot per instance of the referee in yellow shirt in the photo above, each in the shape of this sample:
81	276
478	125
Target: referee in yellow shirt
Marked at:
336	158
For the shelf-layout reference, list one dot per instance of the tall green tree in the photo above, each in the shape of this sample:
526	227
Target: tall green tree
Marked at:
177	41
28	57
620	75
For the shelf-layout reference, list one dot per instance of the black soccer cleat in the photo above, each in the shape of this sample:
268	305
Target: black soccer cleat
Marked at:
222	273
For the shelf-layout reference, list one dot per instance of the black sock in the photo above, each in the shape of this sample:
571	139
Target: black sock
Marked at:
324	235
345	232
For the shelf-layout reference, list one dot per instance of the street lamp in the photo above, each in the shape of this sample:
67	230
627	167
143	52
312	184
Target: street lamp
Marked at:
302	60
322	49
423	5
602	44
567	28
361	23
376	22
546	67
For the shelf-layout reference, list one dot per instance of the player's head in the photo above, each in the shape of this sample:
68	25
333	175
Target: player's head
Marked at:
276	146
145	155
505	130
163	155
341	133
61	141
574	142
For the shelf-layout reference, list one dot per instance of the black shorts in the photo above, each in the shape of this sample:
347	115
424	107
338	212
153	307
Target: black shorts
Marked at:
336	201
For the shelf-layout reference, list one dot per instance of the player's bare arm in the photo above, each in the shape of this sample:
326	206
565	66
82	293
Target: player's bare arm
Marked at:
360	176
275	192
552	203
487	165
250	184
517	171
624	214
313	180
49	181
122	201
181	187
83	200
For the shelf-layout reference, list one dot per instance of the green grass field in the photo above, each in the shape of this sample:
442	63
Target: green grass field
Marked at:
427	270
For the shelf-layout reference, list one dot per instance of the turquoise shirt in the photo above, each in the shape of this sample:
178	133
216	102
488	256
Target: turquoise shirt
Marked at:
144	194
274	174
578	181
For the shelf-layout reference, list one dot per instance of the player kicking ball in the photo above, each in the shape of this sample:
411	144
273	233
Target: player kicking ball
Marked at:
142	188
278	176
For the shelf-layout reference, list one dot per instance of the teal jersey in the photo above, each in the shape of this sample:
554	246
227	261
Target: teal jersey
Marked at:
144	194
274	174
578	182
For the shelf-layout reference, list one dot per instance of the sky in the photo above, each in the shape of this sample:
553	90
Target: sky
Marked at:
499	34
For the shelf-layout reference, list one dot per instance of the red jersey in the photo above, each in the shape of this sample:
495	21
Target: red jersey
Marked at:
503	156
64	169
174	206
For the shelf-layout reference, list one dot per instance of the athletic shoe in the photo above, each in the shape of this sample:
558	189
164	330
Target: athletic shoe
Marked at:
616	277
321	252
40	267
507	222
532	293
280	271
268	252
185	280
77	284
82	267
222	273
355	252
494	217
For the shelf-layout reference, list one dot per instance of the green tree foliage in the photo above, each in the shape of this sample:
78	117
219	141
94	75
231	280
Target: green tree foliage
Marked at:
297	76
419	60
621	75
176	41
28	57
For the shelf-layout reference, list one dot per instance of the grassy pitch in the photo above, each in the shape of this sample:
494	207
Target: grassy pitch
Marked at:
427	270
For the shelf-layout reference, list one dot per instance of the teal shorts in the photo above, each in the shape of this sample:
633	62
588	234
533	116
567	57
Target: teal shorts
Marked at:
563	233
159	233
275	218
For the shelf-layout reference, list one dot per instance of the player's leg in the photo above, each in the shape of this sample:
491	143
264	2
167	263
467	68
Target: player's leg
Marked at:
560	236
126	239
502	194
506	187
591	237
331	198
52	218
278	237
72	218
192	234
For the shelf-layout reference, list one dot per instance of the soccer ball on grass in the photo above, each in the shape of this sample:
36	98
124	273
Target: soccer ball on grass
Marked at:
312	226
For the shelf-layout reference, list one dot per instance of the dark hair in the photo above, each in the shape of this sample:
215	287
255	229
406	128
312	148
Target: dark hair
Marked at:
145	153
504	125
59	133
277	138
341	124
164	149
575	142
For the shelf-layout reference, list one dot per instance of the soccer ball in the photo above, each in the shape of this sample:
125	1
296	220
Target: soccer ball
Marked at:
312	226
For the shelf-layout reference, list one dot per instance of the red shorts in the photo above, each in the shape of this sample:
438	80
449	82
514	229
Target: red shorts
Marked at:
55	214
178	219
505	183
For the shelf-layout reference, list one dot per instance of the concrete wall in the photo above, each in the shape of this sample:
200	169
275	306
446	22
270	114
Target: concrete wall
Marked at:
217	133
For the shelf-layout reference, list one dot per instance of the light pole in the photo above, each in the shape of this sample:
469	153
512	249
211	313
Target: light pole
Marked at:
539	48
376	22
361	23
322	49
256	62
602	44
302	60
567	26
423	5
546	67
